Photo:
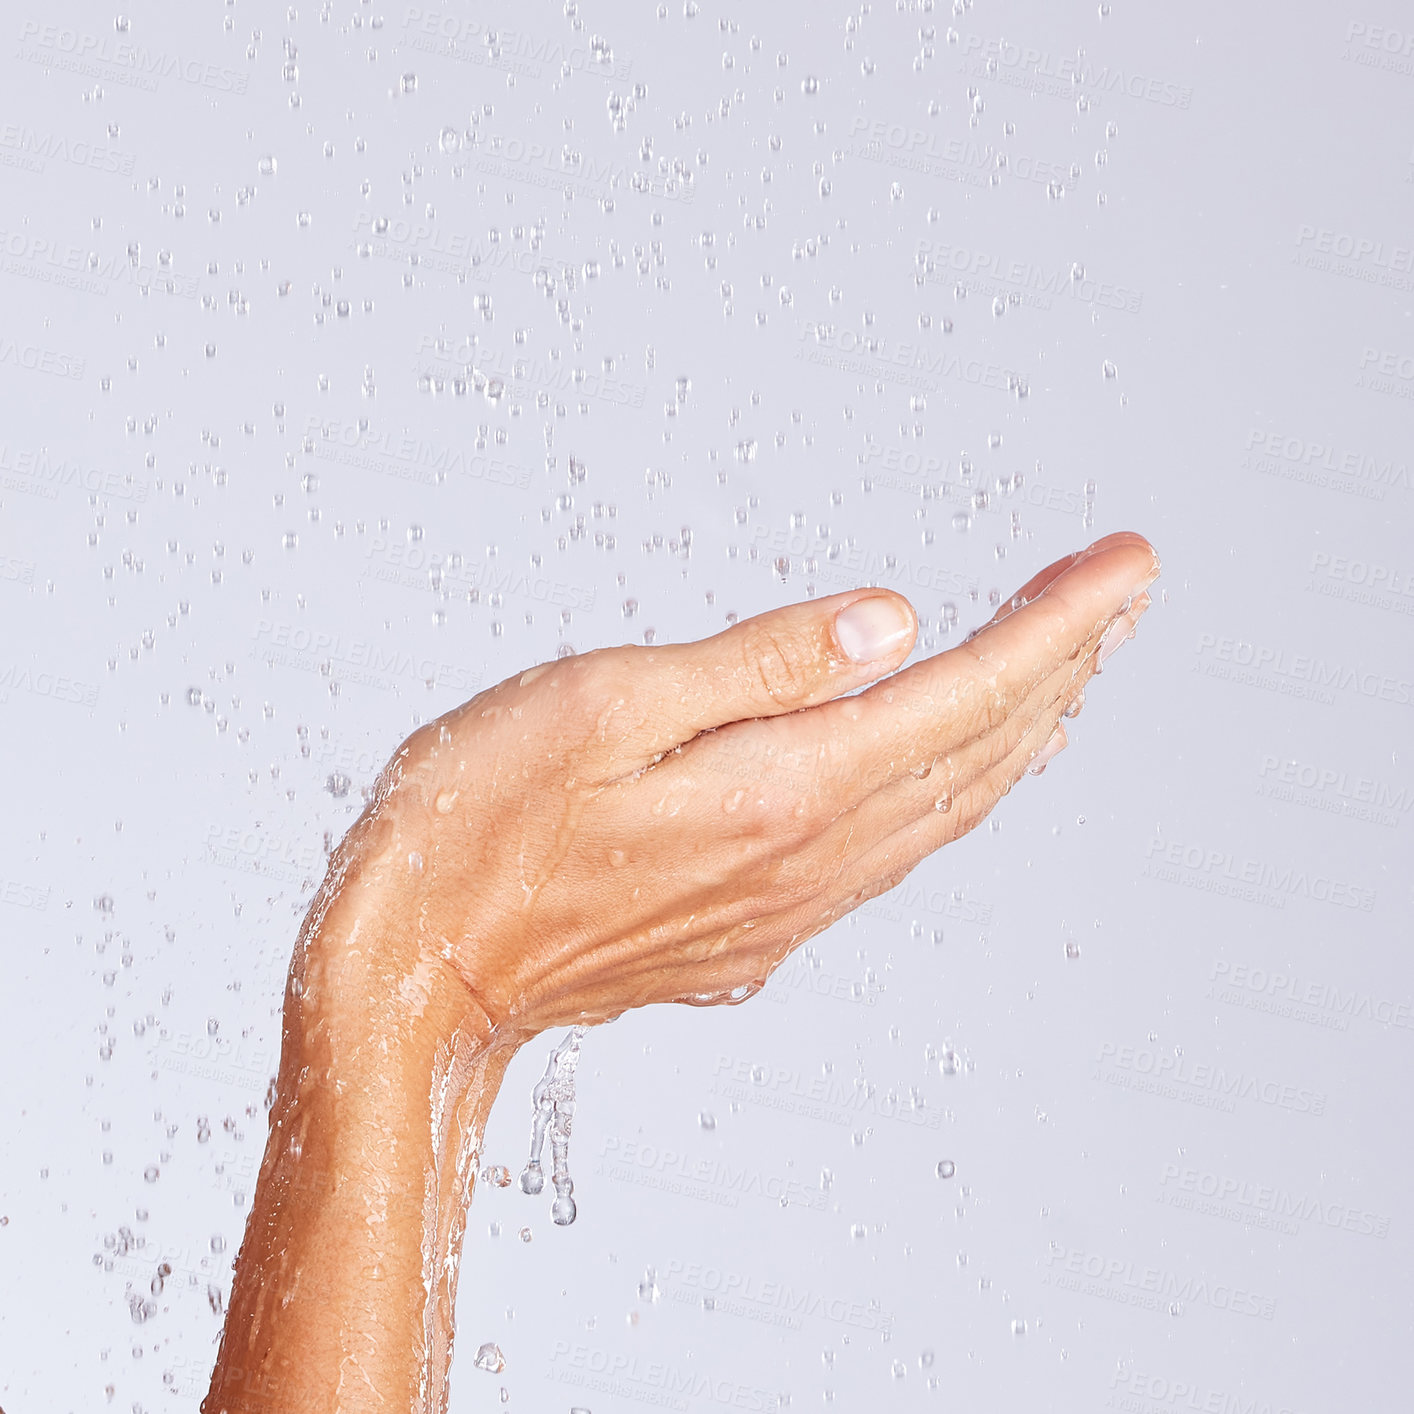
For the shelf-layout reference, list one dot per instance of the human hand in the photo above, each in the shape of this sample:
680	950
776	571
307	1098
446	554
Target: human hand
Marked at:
645	824
633	825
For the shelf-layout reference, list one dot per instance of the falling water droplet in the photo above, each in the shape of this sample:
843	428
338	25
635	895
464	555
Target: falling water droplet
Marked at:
490	1359
554	1101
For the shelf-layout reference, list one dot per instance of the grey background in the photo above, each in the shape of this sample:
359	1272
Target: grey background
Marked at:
571	324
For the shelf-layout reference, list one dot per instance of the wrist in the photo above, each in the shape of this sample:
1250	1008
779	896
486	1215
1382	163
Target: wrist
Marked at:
366	971
387	1077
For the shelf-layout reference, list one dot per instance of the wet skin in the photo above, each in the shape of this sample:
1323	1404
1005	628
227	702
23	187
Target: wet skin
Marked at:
622	827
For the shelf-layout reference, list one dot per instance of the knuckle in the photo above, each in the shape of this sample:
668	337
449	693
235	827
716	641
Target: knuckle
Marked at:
788	879
585	685
770	821
775	666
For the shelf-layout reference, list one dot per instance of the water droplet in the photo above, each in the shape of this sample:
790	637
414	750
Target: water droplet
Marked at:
1072	948
946	1168
707	1120
490	1359
1108	369
554	1101
409	83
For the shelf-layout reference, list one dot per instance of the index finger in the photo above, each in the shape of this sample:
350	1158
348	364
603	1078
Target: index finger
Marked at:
955	696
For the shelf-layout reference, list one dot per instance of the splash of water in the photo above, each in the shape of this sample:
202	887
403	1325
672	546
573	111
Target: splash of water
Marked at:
553	1101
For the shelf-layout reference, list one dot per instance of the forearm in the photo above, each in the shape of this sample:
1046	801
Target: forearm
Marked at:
346	1281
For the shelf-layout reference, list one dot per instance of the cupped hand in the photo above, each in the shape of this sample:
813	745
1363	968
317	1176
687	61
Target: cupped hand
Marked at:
647	824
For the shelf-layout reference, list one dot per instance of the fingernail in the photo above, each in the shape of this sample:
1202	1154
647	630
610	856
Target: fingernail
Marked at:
1042	758
1154	571
873	628
1122	629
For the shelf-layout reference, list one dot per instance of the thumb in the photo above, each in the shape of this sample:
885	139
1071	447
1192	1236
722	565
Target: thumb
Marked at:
777	662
